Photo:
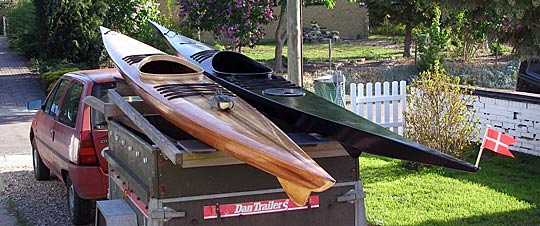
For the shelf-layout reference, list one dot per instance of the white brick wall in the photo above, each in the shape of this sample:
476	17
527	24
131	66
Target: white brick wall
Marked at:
518	119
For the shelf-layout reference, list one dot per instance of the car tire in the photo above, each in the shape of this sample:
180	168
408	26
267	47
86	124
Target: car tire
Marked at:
41	171
80	209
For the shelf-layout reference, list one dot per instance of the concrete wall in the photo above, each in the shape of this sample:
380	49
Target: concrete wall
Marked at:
515	113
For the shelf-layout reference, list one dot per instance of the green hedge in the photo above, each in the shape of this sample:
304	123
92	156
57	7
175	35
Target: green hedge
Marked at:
48	79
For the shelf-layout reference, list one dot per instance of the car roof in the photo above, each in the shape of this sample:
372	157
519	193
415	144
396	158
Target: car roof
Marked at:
99	75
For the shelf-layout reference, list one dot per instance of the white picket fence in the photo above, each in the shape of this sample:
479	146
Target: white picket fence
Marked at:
383	106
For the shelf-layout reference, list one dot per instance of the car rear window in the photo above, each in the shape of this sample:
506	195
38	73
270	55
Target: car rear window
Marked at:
100	92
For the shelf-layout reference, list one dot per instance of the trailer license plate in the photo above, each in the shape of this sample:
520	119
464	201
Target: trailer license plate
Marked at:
254	208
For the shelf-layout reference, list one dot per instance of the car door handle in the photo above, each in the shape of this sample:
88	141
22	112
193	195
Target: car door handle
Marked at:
52	134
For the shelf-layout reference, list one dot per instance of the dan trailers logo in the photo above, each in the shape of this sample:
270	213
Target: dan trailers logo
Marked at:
253	208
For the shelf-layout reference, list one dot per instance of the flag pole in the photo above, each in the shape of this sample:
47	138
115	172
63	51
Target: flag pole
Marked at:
482	146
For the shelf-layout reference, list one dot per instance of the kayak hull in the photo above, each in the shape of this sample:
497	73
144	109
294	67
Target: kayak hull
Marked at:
180	93
299	109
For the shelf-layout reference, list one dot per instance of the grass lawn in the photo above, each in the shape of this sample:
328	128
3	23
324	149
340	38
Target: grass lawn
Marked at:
319	52
505	192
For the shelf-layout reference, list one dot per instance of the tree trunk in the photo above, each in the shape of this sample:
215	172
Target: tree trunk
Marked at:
294	42
497	53
408	40
280	40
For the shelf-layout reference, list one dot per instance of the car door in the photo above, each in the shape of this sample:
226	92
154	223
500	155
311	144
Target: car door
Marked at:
44	122
67	130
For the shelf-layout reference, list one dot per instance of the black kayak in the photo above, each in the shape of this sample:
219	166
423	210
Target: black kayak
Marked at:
296	109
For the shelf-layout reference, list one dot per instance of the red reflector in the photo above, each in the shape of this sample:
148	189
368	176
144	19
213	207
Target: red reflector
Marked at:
87	155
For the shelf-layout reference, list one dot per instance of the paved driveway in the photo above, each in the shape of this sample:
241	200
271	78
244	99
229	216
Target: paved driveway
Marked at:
17	86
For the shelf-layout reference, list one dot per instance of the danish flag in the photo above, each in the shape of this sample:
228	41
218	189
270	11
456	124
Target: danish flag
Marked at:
498	142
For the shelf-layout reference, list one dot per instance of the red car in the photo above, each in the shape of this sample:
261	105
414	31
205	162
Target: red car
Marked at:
68	136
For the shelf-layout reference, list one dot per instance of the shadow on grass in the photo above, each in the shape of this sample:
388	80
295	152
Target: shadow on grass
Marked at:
519	177
390	169
528	217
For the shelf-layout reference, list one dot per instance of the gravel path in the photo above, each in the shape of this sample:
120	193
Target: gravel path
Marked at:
36	202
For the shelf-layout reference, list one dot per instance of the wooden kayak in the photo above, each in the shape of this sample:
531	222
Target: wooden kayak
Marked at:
178	90
291	106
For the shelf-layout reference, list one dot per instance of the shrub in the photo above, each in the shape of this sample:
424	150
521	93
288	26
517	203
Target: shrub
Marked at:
21	29
49	78
386	27
437	114
501	76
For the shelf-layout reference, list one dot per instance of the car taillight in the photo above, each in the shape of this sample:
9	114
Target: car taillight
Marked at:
87	155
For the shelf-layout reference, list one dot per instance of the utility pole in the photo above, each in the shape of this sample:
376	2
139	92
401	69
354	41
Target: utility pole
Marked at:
294	41
4	23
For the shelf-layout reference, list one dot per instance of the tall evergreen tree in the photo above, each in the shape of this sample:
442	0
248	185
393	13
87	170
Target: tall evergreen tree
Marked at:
71	29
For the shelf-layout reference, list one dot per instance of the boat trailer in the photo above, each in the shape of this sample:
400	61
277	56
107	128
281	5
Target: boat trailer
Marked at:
161	176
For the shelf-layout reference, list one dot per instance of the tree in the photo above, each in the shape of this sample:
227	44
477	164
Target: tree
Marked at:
281	33
70	29
410	13
466	35
433	42
514	22
21	29
280	37
130	17
239	20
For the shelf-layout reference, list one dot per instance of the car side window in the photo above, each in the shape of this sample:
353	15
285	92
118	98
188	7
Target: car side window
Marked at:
51	106
70	105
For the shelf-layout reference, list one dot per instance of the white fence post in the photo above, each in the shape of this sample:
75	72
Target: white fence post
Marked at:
386	86
395	105
378	104
403	94
369	94
382	97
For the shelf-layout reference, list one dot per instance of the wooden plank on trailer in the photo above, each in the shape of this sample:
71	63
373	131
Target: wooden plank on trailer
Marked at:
108	110
164	144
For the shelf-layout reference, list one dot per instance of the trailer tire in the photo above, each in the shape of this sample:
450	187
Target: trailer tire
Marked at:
41	171
79	208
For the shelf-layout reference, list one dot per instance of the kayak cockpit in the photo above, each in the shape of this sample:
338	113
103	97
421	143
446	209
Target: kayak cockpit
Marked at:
232	63
165	67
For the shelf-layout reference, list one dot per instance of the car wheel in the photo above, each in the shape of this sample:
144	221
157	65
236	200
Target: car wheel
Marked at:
79	208
41	172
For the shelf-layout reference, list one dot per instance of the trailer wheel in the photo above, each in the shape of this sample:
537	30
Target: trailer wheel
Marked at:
79	208
41	171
